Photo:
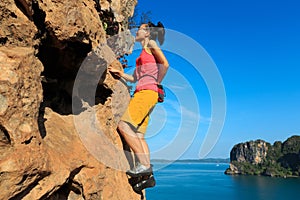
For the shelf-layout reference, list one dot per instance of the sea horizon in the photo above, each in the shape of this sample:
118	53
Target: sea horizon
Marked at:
194	160
196	180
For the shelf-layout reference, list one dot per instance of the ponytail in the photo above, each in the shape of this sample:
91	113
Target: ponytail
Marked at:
157	32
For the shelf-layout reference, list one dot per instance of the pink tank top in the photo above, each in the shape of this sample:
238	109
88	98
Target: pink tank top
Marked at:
146	72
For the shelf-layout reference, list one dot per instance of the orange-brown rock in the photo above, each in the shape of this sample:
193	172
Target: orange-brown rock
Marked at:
56	143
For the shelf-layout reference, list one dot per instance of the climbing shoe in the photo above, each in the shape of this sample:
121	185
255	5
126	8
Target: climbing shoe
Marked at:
144	182
140	170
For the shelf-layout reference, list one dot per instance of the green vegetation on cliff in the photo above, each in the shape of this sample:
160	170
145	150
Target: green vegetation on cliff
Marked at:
280	160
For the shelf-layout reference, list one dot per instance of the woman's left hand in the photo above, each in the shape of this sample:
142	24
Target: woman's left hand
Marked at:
116	71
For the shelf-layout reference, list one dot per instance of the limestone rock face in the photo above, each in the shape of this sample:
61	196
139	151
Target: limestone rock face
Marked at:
50	146
253	152
261	158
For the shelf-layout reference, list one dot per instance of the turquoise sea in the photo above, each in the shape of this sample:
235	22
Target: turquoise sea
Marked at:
196	181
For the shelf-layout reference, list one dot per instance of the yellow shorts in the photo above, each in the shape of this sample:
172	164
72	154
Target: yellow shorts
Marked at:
139	109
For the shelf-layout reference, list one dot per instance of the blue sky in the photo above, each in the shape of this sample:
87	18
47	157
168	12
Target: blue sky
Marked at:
255	48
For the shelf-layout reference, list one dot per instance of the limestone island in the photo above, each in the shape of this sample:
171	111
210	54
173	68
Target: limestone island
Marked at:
261	158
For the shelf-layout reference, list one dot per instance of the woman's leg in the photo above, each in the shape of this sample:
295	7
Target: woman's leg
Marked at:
136	142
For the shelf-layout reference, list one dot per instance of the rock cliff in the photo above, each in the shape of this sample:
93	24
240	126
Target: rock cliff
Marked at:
44	154
261	158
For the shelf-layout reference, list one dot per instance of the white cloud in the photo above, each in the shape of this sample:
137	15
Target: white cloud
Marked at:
189	113
177	87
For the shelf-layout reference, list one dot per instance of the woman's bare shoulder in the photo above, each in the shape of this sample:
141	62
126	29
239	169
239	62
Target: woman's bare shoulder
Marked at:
152	44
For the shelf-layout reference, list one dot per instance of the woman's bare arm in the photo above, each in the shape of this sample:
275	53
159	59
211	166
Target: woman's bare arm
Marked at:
121	74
